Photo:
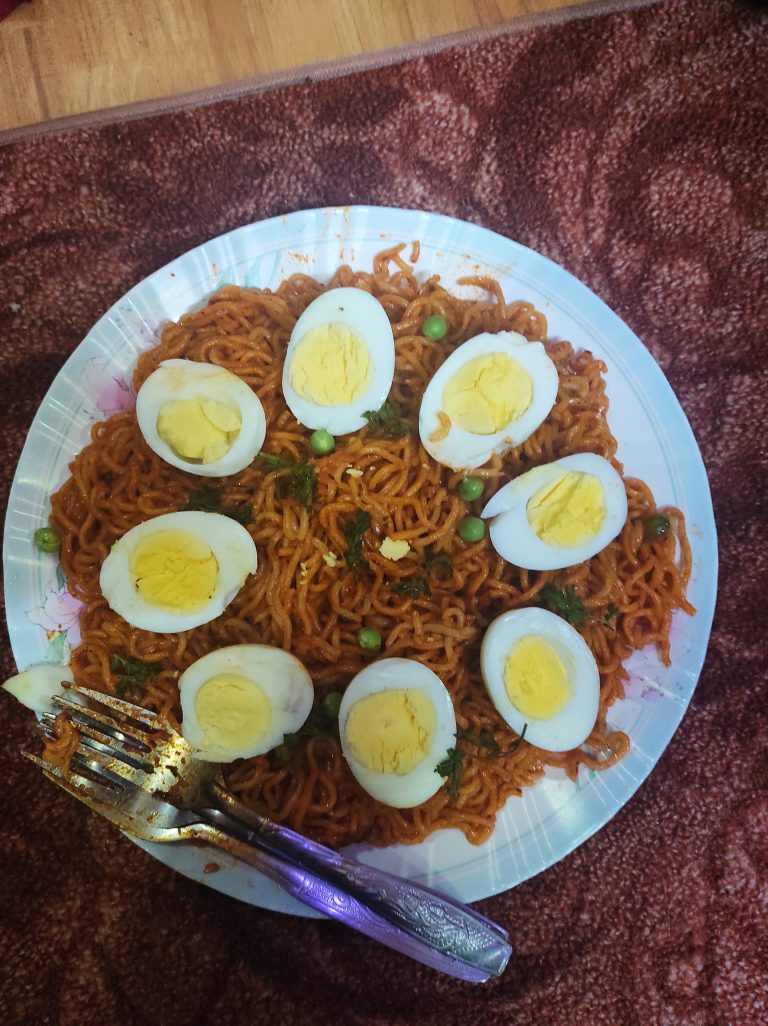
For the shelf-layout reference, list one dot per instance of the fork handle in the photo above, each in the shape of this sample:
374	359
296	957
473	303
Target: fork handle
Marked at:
429	948
424	915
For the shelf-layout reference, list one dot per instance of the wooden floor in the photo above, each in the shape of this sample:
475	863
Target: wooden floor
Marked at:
60	58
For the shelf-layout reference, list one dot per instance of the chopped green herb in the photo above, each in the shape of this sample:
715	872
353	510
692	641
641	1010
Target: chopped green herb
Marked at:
46	539
568	605
332	704
412	586
565	603
296	481
519	741
484	740
438	561
319	723
608	618
386	422
208	500
450	768
354	532
130	671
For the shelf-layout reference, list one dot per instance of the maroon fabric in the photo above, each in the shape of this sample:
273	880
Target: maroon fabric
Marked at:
630	148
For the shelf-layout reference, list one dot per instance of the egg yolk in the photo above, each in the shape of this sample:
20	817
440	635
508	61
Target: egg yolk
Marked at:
391	731
535	678
174	570
568	511
200	430
233	711
331	366
487	394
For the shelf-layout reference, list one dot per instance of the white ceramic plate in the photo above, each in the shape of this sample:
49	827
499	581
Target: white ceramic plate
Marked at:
655	443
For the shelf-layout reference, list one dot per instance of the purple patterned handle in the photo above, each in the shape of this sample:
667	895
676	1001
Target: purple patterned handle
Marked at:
418	921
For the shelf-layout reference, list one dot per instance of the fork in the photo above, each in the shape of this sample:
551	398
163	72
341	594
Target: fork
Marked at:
126	770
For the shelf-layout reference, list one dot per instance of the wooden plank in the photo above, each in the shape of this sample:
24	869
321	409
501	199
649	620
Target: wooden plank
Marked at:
84	55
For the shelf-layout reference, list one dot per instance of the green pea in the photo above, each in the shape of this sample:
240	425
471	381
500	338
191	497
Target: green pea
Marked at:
655	527
332	704
470	488
471	529
46	539
368	637
322	442
435	327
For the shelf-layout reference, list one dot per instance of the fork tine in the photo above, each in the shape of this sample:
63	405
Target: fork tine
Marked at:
119	705
138	759
81	714
104	761
96	787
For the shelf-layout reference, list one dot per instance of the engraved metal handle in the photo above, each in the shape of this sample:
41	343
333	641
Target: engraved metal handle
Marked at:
421	922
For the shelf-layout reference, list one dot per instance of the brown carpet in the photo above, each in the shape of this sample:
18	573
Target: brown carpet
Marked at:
631	149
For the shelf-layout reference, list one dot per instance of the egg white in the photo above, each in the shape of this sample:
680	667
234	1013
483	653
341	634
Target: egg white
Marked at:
283	678
230	543
461	449
515	540
189	379
573	724
366	317
401	792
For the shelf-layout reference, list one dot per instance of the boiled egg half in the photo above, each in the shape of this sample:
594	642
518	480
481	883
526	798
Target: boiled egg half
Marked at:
241	701
200	418
489	395
541	676
396	724
340	361
558	514
177	571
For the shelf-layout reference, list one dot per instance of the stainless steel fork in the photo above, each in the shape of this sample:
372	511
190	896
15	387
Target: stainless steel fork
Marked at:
142	776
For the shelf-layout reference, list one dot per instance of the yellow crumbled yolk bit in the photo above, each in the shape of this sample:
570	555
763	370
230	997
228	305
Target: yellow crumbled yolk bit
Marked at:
391	731
392	549
535	678
174	570
233	711
200	430
568	511
331	365
487	393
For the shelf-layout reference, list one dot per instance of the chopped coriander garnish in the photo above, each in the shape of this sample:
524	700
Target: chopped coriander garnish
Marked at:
354	532
484	739
296	481
567	604
131	671
438	561
412	586
386	422
321	722
450	768
208	500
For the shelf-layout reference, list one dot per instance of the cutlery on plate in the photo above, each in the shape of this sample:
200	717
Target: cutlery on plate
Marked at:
141	775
